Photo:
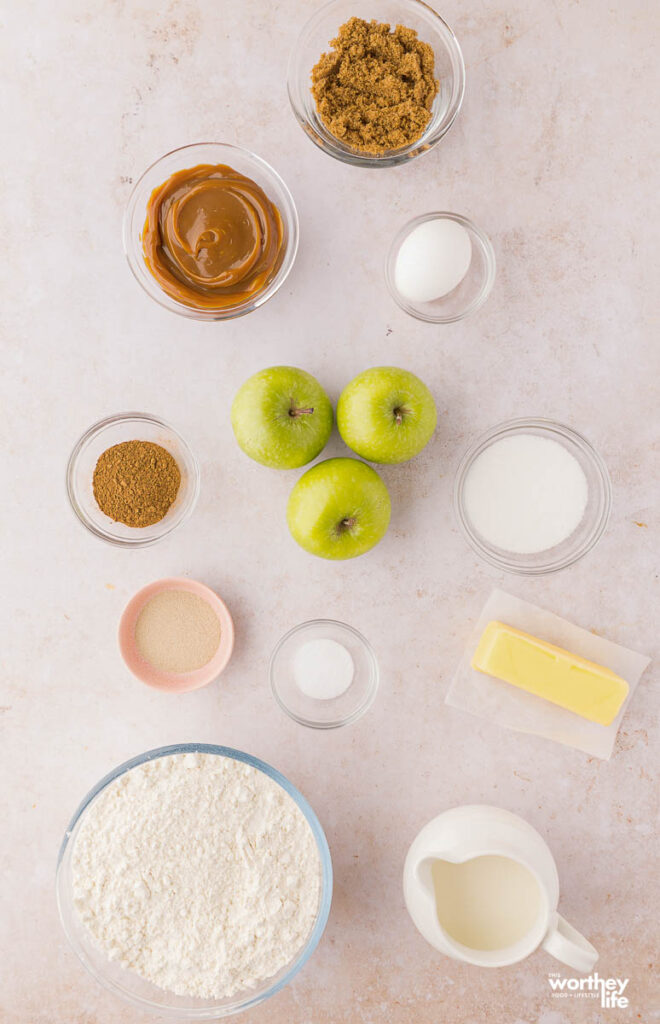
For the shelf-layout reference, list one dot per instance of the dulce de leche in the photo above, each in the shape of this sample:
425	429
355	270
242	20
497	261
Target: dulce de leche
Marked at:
212	238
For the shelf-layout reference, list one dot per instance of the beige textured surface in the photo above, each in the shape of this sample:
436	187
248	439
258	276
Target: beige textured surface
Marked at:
554	155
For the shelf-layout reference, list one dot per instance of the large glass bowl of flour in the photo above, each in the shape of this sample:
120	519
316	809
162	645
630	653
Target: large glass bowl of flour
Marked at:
124	981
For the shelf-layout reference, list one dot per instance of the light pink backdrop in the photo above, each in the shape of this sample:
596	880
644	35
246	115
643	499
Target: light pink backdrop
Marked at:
553	155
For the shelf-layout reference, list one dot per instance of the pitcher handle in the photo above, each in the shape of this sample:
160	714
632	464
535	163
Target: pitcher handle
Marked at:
566	944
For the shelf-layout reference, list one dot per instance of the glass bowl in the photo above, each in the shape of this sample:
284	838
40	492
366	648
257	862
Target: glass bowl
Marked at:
592	524
243	161
337	711
314	40
468	296
129	426
131	987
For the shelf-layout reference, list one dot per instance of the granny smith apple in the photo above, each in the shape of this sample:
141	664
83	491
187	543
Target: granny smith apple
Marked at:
282	417
386	414
339	509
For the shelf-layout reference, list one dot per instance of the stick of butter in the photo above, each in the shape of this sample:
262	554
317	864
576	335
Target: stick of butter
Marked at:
581	686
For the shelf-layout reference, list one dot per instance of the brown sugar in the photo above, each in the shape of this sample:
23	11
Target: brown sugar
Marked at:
135	482
375	88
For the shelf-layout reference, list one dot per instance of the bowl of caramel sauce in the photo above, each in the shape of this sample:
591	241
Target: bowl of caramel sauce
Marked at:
210	231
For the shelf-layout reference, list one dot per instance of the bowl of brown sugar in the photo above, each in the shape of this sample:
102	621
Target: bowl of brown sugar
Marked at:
132	479
375	83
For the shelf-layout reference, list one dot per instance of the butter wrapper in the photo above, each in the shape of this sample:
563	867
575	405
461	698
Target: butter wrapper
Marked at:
506	705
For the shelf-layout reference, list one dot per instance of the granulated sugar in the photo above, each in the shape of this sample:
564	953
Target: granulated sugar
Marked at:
197	872
525	494
177	631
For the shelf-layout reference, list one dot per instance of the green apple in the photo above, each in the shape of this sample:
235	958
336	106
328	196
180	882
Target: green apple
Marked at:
386	414
282	417
339	509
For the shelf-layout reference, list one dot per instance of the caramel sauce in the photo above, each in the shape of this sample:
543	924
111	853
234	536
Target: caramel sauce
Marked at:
212	238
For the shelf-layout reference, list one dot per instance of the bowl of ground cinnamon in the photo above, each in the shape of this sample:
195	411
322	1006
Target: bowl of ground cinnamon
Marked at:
132	479
375	83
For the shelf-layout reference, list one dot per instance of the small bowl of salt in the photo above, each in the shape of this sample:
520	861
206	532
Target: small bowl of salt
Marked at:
324	674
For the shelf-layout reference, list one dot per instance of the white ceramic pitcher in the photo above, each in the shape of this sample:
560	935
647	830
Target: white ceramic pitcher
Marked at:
465	833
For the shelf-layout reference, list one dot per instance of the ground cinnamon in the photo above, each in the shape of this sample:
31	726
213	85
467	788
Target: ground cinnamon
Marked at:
375	88
135	482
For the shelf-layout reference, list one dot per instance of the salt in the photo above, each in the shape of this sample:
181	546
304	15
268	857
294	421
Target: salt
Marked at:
525	494
323	669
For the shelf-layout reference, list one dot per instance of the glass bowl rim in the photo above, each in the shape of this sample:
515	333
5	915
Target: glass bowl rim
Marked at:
550	427
487	251
371	657
391	158
289	215
87	436
210	1013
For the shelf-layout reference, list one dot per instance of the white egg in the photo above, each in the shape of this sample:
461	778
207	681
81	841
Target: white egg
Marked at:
433	260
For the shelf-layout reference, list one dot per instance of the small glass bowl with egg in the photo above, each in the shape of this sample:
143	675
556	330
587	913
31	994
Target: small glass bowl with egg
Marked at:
324	674
440	267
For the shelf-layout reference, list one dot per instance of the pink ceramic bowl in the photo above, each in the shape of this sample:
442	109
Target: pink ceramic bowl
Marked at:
175	682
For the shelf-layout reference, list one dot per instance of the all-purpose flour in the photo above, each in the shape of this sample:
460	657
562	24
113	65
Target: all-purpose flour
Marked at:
197	872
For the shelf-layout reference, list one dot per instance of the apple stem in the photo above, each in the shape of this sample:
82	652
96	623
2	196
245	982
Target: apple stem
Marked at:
346	524
399	414
300	412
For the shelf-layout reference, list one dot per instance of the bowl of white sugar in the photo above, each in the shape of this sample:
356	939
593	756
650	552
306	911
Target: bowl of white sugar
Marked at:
194	881
532	496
